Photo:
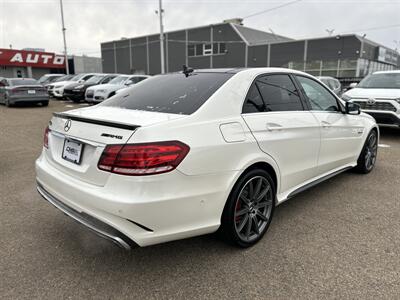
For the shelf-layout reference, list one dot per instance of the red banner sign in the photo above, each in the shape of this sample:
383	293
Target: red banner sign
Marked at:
22	58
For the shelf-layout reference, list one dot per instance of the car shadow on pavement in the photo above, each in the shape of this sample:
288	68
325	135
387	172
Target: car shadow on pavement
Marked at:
389	131
25	105
78	240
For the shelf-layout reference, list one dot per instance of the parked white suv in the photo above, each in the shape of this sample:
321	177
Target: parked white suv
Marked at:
99	93
57	88
378	95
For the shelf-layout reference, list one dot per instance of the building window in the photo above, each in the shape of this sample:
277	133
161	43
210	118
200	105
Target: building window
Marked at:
206	49
199	49
222	48
191	50
215	48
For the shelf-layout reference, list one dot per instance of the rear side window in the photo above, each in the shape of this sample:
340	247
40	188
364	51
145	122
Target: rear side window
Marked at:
254	103
171	93
275	93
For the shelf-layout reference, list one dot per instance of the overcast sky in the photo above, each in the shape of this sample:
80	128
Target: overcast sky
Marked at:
37	23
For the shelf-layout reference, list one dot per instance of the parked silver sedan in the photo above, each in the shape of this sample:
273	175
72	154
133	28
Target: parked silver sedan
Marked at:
18	90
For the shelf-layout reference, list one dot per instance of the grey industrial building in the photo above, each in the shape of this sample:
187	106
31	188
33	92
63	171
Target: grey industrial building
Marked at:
230	44
84	64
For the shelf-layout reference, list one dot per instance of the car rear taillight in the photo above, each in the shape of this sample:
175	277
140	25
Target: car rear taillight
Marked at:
143	159
46	137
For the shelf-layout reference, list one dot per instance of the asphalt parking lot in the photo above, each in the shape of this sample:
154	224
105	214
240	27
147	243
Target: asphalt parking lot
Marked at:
340	239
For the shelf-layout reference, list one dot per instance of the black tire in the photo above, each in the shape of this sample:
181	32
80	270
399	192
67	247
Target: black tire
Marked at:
75	100
45	103
7	102
248	230
366	160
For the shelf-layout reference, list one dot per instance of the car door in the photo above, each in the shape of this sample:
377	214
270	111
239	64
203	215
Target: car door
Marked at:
341	133
276	115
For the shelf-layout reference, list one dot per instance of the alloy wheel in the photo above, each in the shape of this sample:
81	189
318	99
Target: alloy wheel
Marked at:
371	151
253	208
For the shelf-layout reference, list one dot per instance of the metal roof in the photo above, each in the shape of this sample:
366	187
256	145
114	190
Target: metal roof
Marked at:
254	37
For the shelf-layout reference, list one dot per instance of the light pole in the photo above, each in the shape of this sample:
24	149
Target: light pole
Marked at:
65	41
362	45
160	13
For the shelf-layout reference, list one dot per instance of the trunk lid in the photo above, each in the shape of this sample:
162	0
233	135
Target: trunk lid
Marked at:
94	128
30	90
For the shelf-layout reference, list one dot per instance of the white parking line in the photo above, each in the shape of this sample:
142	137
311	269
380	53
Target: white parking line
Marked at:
383	146
69	105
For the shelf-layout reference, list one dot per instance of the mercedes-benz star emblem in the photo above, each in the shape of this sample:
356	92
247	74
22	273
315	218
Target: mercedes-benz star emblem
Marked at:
371	101
67	125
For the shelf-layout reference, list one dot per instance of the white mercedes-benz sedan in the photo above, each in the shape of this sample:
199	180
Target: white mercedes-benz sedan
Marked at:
200	151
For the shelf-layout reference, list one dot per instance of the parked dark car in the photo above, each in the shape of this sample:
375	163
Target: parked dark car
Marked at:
18	90
76	91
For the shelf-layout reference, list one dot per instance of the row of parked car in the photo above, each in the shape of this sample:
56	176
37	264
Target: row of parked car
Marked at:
377	94
89	87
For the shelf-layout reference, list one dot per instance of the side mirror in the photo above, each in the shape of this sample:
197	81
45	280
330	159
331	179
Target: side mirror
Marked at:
352	108
129	82
81	81
352	85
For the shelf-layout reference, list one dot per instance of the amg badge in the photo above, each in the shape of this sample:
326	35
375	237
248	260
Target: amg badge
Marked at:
112	136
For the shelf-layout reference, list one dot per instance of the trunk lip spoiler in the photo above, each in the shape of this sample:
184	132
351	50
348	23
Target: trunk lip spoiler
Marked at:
96	121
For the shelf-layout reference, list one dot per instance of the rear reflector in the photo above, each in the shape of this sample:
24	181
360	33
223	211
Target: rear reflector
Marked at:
46	137
143	159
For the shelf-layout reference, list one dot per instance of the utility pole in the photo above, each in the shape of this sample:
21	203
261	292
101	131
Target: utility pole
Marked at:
65	41
160	13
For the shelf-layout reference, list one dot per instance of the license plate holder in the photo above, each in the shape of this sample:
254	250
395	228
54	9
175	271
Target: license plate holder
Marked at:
72	151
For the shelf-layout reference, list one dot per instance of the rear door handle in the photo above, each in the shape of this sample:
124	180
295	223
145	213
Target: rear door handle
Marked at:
274	126
326	124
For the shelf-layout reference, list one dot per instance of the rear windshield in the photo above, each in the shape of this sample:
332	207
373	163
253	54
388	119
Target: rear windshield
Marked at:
95	79
119	79
23	82
64	78
44	79
381	81
77	77
171	93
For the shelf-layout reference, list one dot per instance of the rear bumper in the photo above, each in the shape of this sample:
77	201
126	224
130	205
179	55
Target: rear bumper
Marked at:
147	210
385	118
16	99
93	224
